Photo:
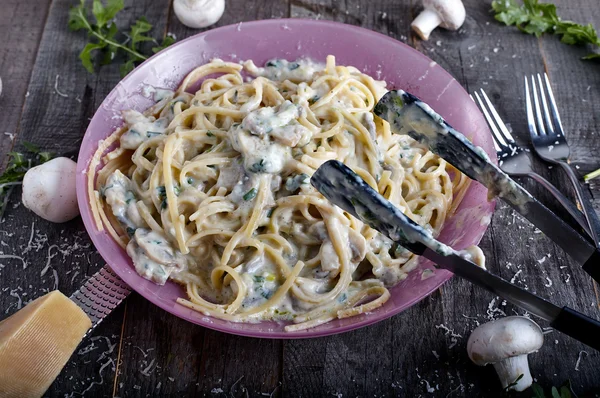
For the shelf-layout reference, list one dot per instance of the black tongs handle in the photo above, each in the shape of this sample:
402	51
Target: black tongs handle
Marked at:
580	327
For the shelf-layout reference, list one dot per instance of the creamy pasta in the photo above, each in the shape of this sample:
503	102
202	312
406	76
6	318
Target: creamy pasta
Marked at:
211	190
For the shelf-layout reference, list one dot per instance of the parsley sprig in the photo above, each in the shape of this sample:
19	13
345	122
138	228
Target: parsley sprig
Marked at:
537	18
18	164
564	391
103	35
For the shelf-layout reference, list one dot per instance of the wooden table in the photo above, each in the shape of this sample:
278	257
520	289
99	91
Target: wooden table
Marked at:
140	350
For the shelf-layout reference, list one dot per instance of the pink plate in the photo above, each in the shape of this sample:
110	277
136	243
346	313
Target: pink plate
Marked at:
373	53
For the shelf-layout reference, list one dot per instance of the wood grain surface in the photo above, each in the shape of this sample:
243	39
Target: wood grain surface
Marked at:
142	351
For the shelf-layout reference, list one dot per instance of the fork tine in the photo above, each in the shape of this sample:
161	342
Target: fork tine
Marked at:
538	112
549	126
506	134
529	110
555	115
498	141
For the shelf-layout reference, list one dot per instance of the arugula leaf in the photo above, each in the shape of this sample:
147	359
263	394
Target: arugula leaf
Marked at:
537	18
104	35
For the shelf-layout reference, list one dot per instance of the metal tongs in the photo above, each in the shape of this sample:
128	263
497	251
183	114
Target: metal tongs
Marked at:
347	190
409	115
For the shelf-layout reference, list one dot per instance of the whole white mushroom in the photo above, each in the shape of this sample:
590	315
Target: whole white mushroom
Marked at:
505	343
449	14
198	13
49	190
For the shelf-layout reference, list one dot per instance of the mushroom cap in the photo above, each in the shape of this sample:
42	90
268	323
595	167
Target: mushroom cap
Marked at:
504	338
451	12
49	190
198	13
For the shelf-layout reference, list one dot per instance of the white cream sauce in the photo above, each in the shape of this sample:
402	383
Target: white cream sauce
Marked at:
266	136
281	69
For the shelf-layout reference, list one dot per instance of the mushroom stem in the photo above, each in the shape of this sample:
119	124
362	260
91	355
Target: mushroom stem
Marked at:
426	22
509	371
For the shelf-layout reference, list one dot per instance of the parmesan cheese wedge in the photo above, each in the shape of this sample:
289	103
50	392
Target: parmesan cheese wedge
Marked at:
36	342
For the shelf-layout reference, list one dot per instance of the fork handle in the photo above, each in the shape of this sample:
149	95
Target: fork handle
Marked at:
563	200
588	210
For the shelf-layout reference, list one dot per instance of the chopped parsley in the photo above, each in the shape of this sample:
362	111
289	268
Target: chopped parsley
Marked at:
294	182
258	167
251	194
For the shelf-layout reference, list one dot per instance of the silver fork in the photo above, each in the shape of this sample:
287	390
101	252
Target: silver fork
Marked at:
514	161
550	143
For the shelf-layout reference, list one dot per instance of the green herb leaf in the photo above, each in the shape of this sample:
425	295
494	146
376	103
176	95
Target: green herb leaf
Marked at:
105	14
251	194
593	174
18	160
45	156
136	34
111	50
565	392
103	35
591	56
537	18
538	392
78	17
86	55
31	147
127	67
17	166
514	383
167	41
555	393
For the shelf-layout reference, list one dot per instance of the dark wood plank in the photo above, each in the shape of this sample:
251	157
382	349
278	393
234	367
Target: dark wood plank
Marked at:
22	23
